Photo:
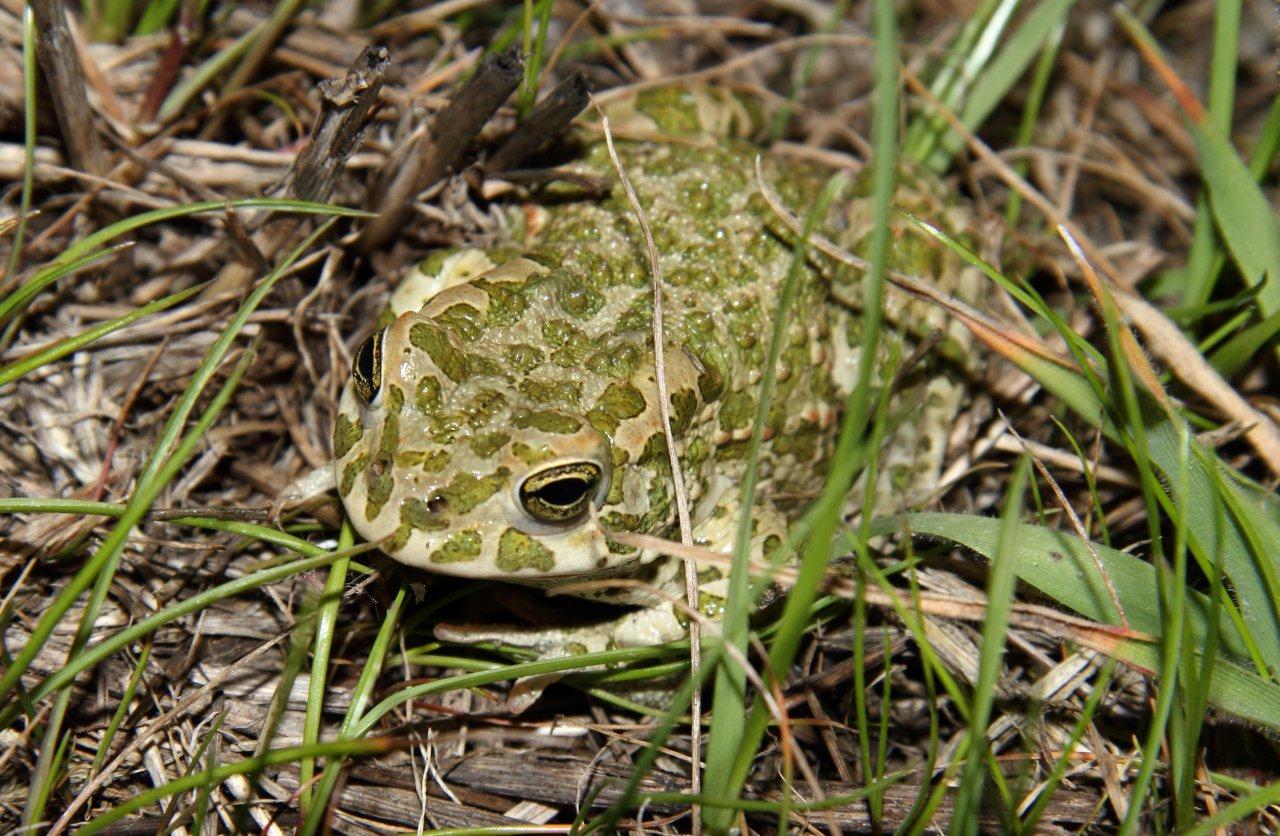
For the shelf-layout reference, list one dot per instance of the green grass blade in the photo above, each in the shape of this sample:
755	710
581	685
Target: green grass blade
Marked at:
56	505
204	75
70	345
999	77
215	776
148	485
1061	566
1001	582
168	213
326	623
155	16
1243	214
47	276
855	422
982	26
126	699
129	635
1241	349
102	583
360	696
725	735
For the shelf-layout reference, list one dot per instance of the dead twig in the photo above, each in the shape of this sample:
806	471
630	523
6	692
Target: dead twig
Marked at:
346	106
435	153
552	115
60	65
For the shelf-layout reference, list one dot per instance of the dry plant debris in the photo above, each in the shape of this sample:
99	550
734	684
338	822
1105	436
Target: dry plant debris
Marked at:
422	115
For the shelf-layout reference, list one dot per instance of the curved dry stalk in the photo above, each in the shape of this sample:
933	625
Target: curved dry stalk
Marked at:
673	459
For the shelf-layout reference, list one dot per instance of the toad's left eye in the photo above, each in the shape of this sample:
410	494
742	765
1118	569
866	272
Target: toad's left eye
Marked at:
366	371
560	494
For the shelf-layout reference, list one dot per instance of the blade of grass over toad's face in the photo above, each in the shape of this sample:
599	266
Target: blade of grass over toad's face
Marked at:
855	421
148	484
725	735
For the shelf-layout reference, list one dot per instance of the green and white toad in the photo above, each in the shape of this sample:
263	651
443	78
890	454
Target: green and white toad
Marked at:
513	391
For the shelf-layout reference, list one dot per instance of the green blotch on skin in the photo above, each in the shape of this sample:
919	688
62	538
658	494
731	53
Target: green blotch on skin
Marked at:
467	490
711	606
617	458
655	452
428	337
517	551
463	319
548	421
381	478
622	400
461	547
697	451
683	404
524	358
563	393
529	454
506	301
398	540
345	435
710	381
417	514
350	473
737	410
616	361
431	461
485	446
618	521
486	404
578	301
393	399
619	402
570	347
428	395
771	544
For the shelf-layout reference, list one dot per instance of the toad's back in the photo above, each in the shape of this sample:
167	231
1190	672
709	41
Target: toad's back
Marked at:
484	422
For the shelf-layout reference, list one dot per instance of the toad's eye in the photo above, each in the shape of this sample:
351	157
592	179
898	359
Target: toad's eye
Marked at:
366	371
562	493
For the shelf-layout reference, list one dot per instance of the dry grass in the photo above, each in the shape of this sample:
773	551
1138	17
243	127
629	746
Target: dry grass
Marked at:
1110	154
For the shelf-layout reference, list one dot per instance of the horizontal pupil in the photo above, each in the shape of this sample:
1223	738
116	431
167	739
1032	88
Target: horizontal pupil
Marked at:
563	492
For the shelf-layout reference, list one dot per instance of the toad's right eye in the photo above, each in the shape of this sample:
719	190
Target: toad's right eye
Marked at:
366	371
